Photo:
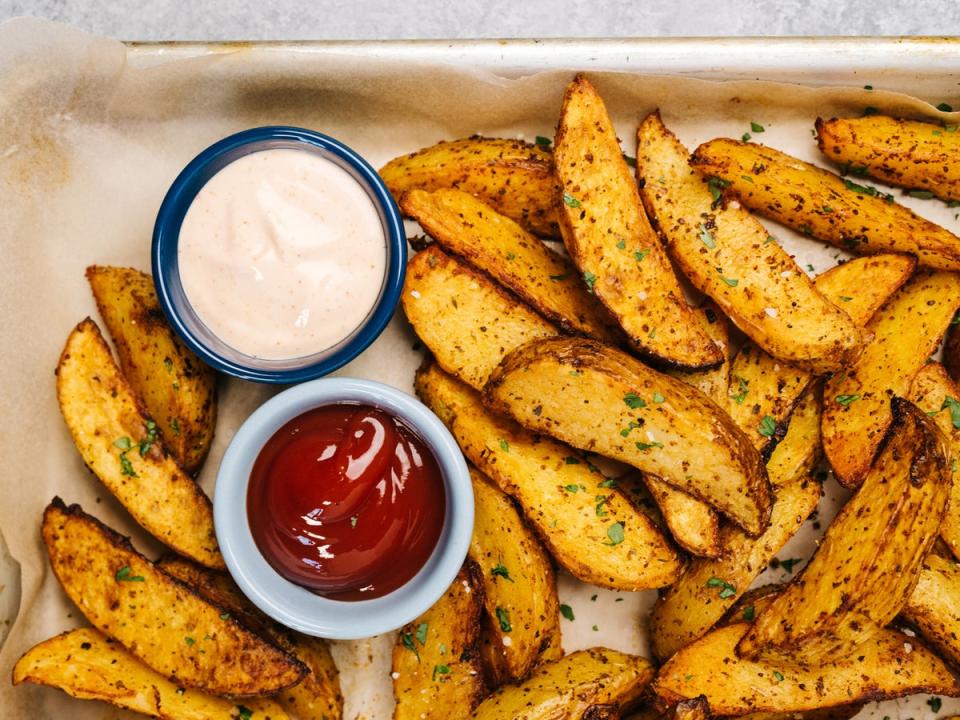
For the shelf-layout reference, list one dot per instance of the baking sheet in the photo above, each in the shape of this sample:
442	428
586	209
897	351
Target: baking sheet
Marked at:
92	133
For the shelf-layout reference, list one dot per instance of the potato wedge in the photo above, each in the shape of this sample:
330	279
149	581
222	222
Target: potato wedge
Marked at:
493	243
436	659
519	585
728	255
157	618
888	665
934	606
951	349
868	562
694	709
935	393
86	665
466	321
911	154
712	382
121	445
513	177
856	403
610	240
566	688
764	387
178	391
602	400
317	696
697	601
818	203
798	452
536	471
693	524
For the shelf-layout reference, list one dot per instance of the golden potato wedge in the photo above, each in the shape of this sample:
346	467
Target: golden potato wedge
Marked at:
86	665
911	154
436	659
856	403
159	619
466	320
610	240
178	391
712	382
764	387
797	454
868	562
602	400
566	688
935	393
934	606
513	177
694	709
951	349
728	255
694	525
545	280
888	665
122	447
541	474
818	203
519	585
317	696
697	601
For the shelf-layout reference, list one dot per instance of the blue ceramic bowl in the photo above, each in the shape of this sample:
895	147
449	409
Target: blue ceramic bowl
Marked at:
294	606
166	272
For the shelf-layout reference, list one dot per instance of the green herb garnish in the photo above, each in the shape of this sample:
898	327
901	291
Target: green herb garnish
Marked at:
567	612
847	400
503	617
590	279
767	426
570	200
615	533
500	570
705	237
756	127
634	401
123	575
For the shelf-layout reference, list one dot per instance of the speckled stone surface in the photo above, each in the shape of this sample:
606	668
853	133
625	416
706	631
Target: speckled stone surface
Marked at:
389	19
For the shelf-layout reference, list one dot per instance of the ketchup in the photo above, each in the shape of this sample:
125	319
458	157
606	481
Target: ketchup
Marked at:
347	501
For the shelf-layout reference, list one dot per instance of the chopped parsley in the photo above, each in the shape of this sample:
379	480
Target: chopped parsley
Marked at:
935	703
658	398
542	141
756	127
847	400
244	713
716	186
615	534
567	612
726	589
621	245
609	483
706	238
789	564
126	467
767	426
503	617
652	334
749	613
868	87
870	110
225	616
632	425
732	282
746	137
639	255
189	640
570	200
601	500
406	640
123	443
778	675
559	278
954	406
634	401
168	364
511	256
770	239
500	570
945	107
631	161
747	178
504	445
846	298
590	279
175	426
440	670
570	460
920	194
123	575
572	488
648	446
147	442
743	391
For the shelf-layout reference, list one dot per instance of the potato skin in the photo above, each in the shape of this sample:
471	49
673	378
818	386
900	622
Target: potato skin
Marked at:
911	154
868	562
934	606
602	400
610	240
817	202
154	617
513	177
89	666
178	391
116	441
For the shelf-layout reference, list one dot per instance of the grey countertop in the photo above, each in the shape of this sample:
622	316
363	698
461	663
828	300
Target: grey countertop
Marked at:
389	19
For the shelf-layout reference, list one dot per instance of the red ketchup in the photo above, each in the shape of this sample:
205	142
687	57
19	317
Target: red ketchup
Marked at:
347	501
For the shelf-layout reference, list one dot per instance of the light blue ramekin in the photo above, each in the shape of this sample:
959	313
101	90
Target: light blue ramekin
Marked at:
294	606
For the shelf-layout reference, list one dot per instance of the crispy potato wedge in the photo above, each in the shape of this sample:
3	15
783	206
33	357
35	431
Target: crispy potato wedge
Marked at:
466	320
436	659
86	665
602	400
159	619
610	240
693	524
764	387
545	280
935	393
868	562
697	601
934	606
728	255
536	471
797	454
951	350
566	688
818	203
694	709
317	696
178	391
888	665
911	154
602	712
519	585
513	177
856	403
712	382
121	445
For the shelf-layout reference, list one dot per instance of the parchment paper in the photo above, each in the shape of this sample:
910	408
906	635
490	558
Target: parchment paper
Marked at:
89	143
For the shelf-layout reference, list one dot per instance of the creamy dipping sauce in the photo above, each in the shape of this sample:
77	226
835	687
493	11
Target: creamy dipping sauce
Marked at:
282	254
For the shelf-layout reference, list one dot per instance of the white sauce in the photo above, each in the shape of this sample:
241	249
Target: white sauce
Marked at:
282	254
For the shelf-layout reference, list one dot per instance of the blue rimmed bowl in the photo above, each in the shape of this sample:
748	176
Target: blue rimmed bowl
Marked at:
297	607
166	272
